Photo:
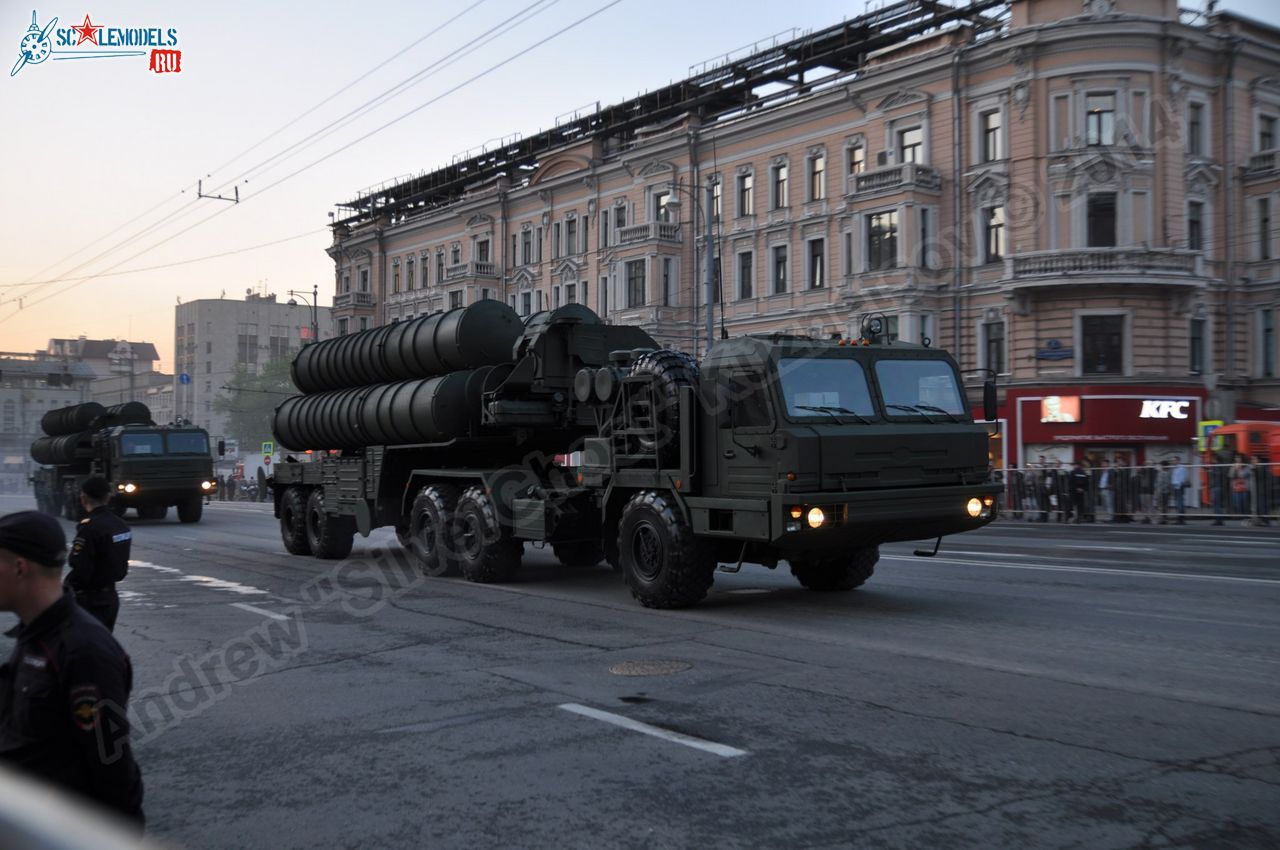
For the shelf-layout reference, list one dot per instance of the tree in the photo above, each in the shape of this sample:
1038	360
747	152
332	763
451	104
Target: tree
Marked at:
250	398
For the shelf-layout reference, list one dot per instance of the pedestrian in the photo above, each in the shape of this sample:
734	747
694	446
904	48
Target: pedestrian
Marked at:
1106	491
1219	484
231	488
1079	489
1164	489
1179	483
1239	477
1263	481
64	691
1147	491
100	554
1064	491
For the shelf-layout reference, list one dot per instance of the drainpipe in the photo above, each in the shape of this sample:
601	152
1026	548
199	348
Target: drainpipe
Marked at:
957	170
503	277
1229	170
695	180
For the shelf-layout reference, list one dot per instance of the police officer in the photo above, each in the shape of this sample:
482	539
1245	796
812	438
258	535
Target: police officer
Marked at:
65	689
100	553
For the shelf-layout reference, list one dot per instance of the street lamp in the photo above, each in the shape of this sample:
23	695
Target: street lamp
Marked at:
294	295
709	290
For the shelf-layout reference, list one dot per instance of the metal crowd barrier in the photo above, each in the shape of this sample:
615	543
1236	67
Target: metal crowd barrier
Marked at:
1240	493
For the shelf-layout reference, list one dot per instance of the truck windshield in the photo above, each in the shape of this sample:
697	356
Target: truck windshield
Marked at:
189	443
141	444
919	388
824	387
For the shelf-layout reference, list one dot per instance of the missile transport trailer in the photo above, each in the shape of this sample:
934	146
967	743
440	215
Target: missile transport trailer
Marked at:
473	434
150	468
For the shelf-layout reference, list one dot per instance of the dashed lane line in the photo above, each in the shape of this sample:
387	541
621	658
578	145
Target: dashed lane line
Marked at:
244	606
1094	570
723	750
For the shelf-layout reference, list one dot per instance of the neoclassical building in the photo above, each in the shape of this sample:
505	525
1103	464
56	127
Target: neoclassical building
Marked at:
1074	195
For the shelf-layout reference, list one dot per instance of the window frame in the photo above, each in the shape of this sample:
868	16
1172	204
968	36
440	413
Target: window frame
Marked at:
884	246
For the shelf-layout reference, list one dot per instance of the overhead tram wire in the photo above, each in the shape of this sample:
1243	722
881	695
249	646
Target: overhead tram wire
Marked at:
183	191
504	26
480	75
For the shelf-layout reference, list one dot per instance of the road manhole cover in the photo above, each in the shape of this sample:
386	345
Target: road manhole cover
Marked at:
648	668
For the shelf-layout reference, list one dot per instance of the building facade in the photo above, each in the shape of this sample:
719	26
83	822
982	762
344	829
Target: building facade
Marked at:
1076	196
30	386
215	337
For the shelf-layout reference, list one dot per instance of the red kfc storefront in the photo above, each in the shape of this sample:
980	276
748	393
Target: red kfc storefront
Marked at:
1124	425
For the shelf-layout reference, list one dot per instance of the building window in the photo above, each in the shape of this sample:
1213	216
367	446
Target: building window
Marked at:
364	280
1264	228
1195	129
992	150
526	303
440	267
1267	321
924	237
817	263
571	236
911	145
1195	225
857	159
526	247
745	275
555	297
246	343
882	241
891	329
780	189
818	177
619	217
346	283
570	293
993	234
482	251
1102	344
668	282
455	299
395	279
455	254
555	241
779	269
1100	119
1102	220
1266	132
993	346
343	324
715	281
408	274
717	199
635	283
604	230
364	323
746	203
661	205
1195	348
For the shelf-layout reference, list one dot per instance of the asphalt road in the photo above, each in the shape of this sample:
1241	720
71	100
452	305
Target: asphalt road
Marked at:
1032	686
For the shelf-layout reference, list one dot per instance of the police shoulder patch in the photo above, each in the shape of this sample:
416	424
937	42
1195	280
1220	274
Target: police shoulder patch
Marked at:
84	707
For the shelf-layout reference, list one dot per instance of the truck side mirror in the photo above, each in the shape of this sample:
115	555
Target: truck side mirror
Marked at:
222	448
989	400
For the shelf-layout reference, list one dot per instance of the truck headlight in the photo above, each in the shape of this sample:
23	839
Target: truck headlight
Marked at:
815	517
974	507
206	485
129	488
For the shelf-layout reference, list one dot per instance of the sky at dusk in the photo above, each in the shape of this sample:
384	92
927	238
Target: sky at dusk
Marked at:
100	157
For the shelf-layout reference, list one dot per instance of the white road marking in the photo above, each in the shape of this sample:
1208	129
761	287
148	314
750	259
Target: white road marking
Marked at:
1157	616
244	606
655	731
1098	570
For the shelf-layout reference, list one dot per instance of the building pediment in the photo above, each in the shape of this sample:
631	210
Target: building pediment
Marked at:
648	167
568	269
559	165
524	279
989	186
480	221
903	97
1201	178
1268	85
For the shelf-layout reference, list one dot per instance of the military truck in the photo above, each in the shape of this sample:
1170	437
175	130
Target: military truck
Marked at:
473	434
150	468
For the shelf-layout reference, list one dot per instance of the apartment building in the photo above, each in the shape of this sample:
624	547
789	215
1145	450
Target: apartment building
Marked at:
214	337
32	384
1074	195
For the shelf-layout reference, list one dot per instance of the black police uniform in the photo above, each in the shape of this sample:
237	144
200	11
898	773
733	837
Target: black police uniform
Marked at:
63	698
99	558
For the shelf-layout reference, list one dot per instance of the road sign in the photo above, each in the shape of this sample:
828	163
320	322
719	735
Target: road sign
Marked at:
266	460
268	448
184	378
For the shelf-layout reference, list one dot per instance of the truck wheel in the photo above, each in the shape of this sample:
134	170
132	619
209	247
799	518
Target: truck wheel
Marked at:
671	371
153	512
329	536
293	521
580	553
665	565
428	532
191	509
835	571
486	552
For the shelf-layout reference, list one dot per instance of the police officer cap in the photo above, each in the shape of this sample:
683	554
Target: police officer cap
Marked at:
35	536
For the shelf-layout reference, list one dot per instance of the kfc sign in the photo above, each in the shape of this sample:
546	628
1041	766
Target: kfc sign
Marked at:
1153	409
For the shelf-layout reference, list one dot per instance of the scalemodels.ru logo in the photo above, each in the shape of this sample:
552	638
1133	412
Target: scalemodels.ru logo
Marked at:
98	41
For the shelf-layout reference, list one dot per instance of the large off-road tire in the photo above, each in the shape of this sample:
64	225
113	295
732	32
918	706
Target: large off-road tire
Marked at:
671	370
485	551
330	536
665	565
153	511
191	509
293	521
429	533
836	571
580	553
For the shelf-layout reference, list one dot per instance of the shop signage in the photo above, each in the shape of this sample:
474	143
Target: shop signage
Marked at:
1054	350
1157	409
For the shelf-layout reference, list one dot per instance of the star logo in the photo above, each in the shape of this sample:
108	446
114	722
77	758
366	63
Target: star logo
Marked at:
88	31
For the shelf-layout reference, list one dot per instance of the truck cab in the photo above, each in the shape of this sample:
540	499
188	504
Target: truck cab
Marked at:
154	468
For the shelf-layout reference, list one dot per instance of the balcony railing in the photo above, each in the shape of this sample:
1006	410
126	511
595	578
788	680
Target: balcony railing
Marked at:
663	231
352	299
908	175
1261	163
473	269
1103	261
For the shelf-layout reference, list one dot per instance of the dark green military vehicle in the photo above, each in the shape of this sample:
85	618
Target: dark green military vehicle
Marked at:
151	468
472	435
